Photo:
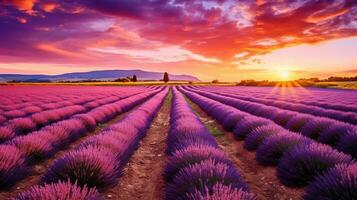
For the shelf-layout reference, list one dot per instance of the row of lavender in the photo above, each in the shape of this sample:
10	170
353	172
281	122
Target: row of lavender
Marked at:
25	125
19	97
196	168
16	97
300	161
342	100
344	116
98	161
80	99
18	155
342	136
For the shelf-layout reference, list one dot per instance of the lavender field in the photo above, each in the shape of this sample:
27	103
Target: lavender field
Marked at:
177	143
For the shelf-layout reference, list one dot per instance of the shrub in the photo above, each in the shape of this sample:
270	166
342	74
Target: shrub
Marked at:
338	183
273	147
205	140
296	123
6	133
334	133
59	191
59	136
14	114
88	121
203	175
32	109
300	165
117	144
282	117
231	120
22	126
192	155
93	167
315	127
2	119
12	166
247	125
221	192
74	127
258	135
33	147
348	143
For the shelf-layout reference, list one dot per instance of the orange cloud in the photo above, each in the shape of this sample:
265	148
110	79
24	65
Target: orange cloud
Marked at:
322	16
58	51
23	5
49	7
22	20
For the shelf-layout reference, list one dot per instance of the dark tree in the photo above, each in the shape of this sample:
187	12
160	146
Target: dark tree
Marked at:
166	77
135	79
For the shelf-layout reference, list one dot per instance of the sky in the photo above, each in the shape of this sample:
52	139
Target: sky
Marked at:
228	40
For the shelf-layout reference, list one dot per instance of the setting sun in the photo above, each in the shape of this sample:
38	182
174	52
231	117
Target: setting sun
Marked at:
285	75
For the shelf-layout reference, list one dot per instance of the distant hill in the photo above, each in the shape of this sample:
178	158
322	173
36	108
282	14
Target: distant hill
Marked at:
96	75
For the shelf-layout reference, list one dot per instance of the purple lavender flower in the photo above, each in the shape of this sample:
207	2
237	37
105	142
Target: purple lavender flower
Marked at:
247	125
334	133
22	126
32	109
221	192
282	117
301	164
338	183
59	191
2	119
203	175
14	114
93	167
232	119
296	123
315	127
12	165
192	140
192	155
273	147
258	135
348	143
33	147
88	121
6	133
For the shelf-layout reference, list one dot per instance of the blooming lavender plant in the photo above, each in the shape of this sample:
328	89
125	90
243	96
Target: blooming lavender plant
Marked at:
247	125
191	155
220	192
12	165
337	183
201	175
348	143
300	165
273	147
59	191
258	135
90	166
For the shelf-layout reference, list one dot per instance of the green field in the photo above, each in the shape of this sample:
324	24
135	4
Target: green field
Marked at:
339	85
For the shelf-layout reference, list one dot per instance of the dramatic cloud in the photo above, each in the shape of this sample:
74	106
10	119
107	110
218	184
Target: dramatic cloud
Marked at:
167	54
220	32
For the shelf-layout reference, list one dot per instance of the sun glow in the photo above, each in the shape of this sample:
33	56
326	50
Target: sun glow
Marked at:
285	75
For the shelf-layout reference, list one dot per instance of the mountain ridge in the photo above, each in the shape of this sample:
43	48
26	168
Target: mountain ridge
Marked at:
96	75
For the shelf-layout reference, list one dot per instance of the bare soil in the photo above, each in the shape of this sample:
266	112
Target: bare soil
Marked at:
39	169
261	180
142	177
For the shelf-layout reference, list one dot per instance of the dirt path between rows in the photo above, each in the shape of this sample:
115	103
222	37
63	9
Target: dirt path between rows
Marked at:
261	180
39	169
142	177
